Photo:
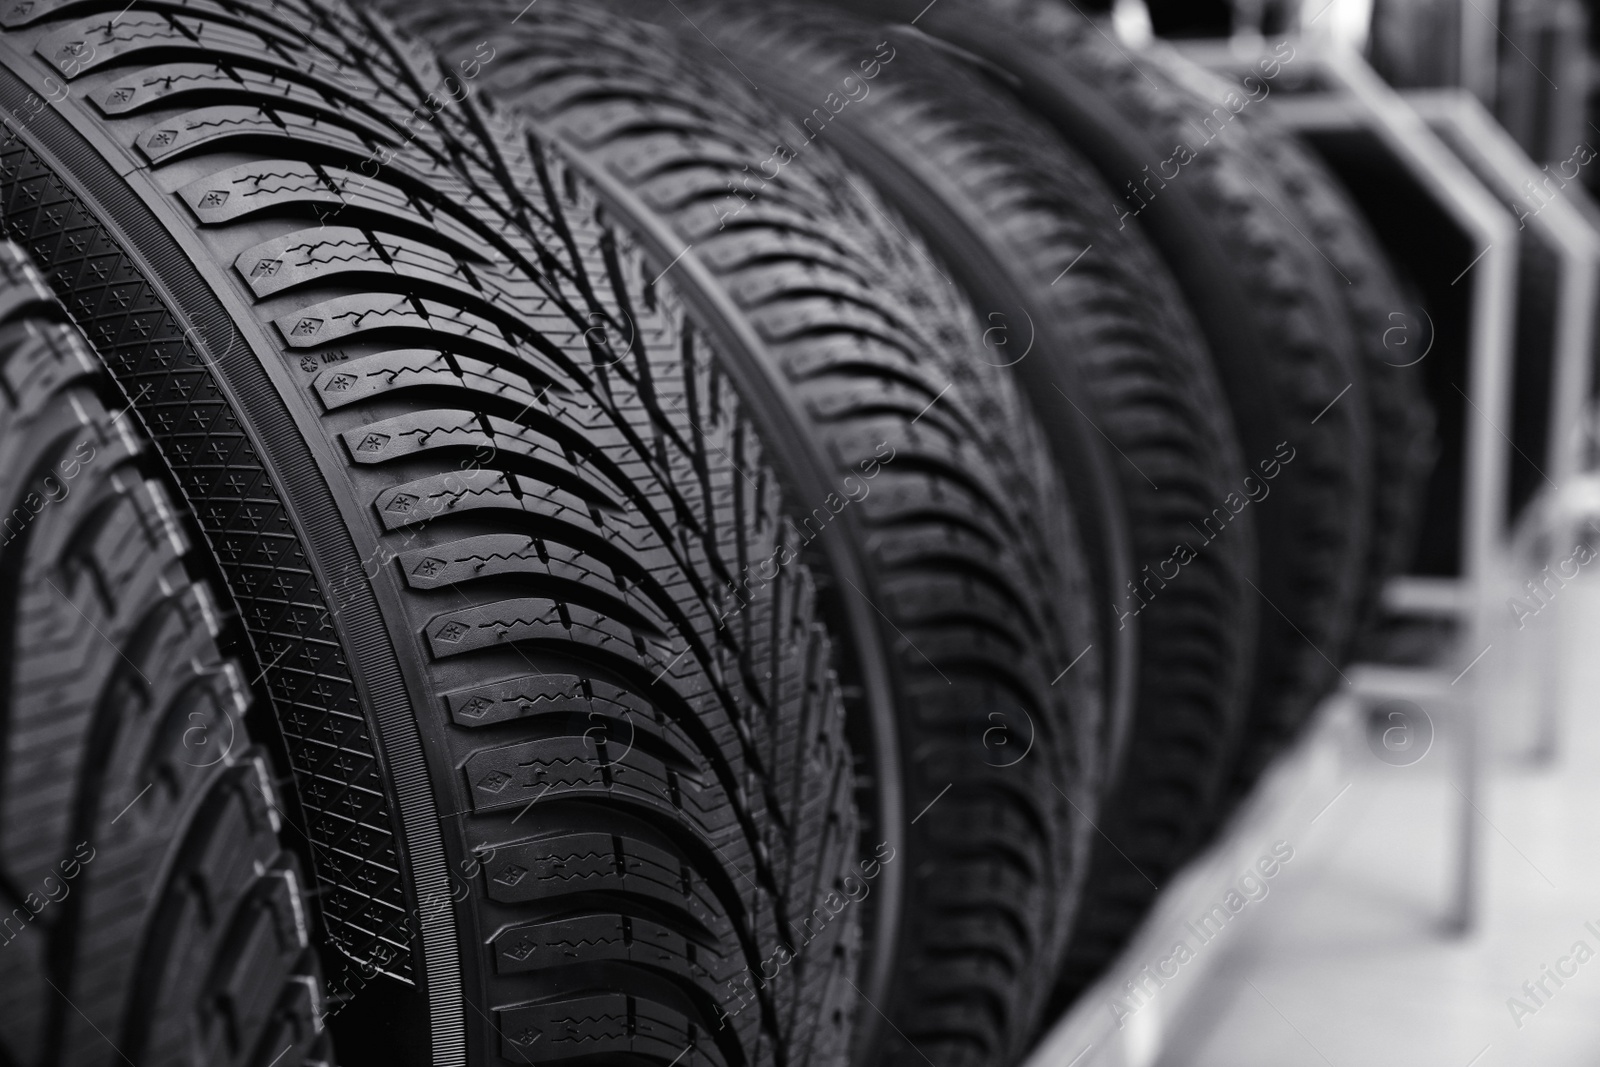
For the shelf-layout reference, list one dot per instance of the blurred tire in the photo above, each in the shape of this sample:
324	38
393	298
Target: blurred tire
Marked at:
976	575
1382	317
1265	298
480	549
147	907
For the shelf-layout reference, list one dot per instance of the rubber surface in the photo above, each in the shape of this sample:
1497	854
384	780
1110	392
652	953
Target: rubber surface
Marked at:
1265	298
148	912
479	492
979	581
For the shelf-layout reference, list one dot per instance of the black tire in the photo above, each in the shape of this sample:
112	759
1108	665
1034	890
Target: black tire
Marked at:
1265	299
481	553
128	781
1403	442
971	552
1011	212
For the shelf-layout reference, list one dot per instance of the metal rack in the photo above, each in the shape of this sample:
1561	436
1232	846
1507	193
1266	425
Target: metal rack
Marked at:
1572	236
1349	96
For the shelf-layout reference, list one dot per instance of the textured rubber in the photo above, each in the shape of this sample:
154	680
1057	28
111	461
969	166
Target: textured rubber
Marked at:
1265	299
482	545
978	575
148	913
1404	445
1072	297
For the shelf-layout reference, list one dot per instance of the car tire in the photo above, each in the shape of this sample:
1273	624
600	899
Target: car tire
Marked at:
973	563
1382	318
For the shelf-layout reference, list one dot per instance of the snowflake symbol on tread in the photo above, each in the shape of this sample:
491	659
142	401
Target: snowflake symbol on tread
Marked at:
477	707
511	874
451	632
494	781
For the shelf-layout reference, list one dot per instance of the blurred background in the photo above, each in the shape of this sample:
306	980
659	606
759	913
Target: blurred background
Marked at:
1441	906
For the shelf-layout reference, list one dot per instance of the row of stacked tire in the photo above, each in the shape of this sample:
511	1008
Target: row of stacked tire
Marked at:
628	533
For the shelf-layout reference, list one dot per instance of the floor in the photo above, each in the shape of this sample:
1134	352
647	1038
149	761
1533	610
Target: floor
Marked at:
1345	962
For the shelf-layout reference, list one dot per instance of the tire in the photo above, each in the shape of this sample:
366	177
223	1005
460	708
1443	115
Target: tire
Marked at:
1403	441
971	552
1007	208
148	911
1264	298
480	554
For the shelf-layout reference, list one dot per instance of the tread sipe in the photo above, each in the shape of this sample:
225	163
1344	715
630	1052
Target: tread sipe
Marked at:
478	490
148	912
977	577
